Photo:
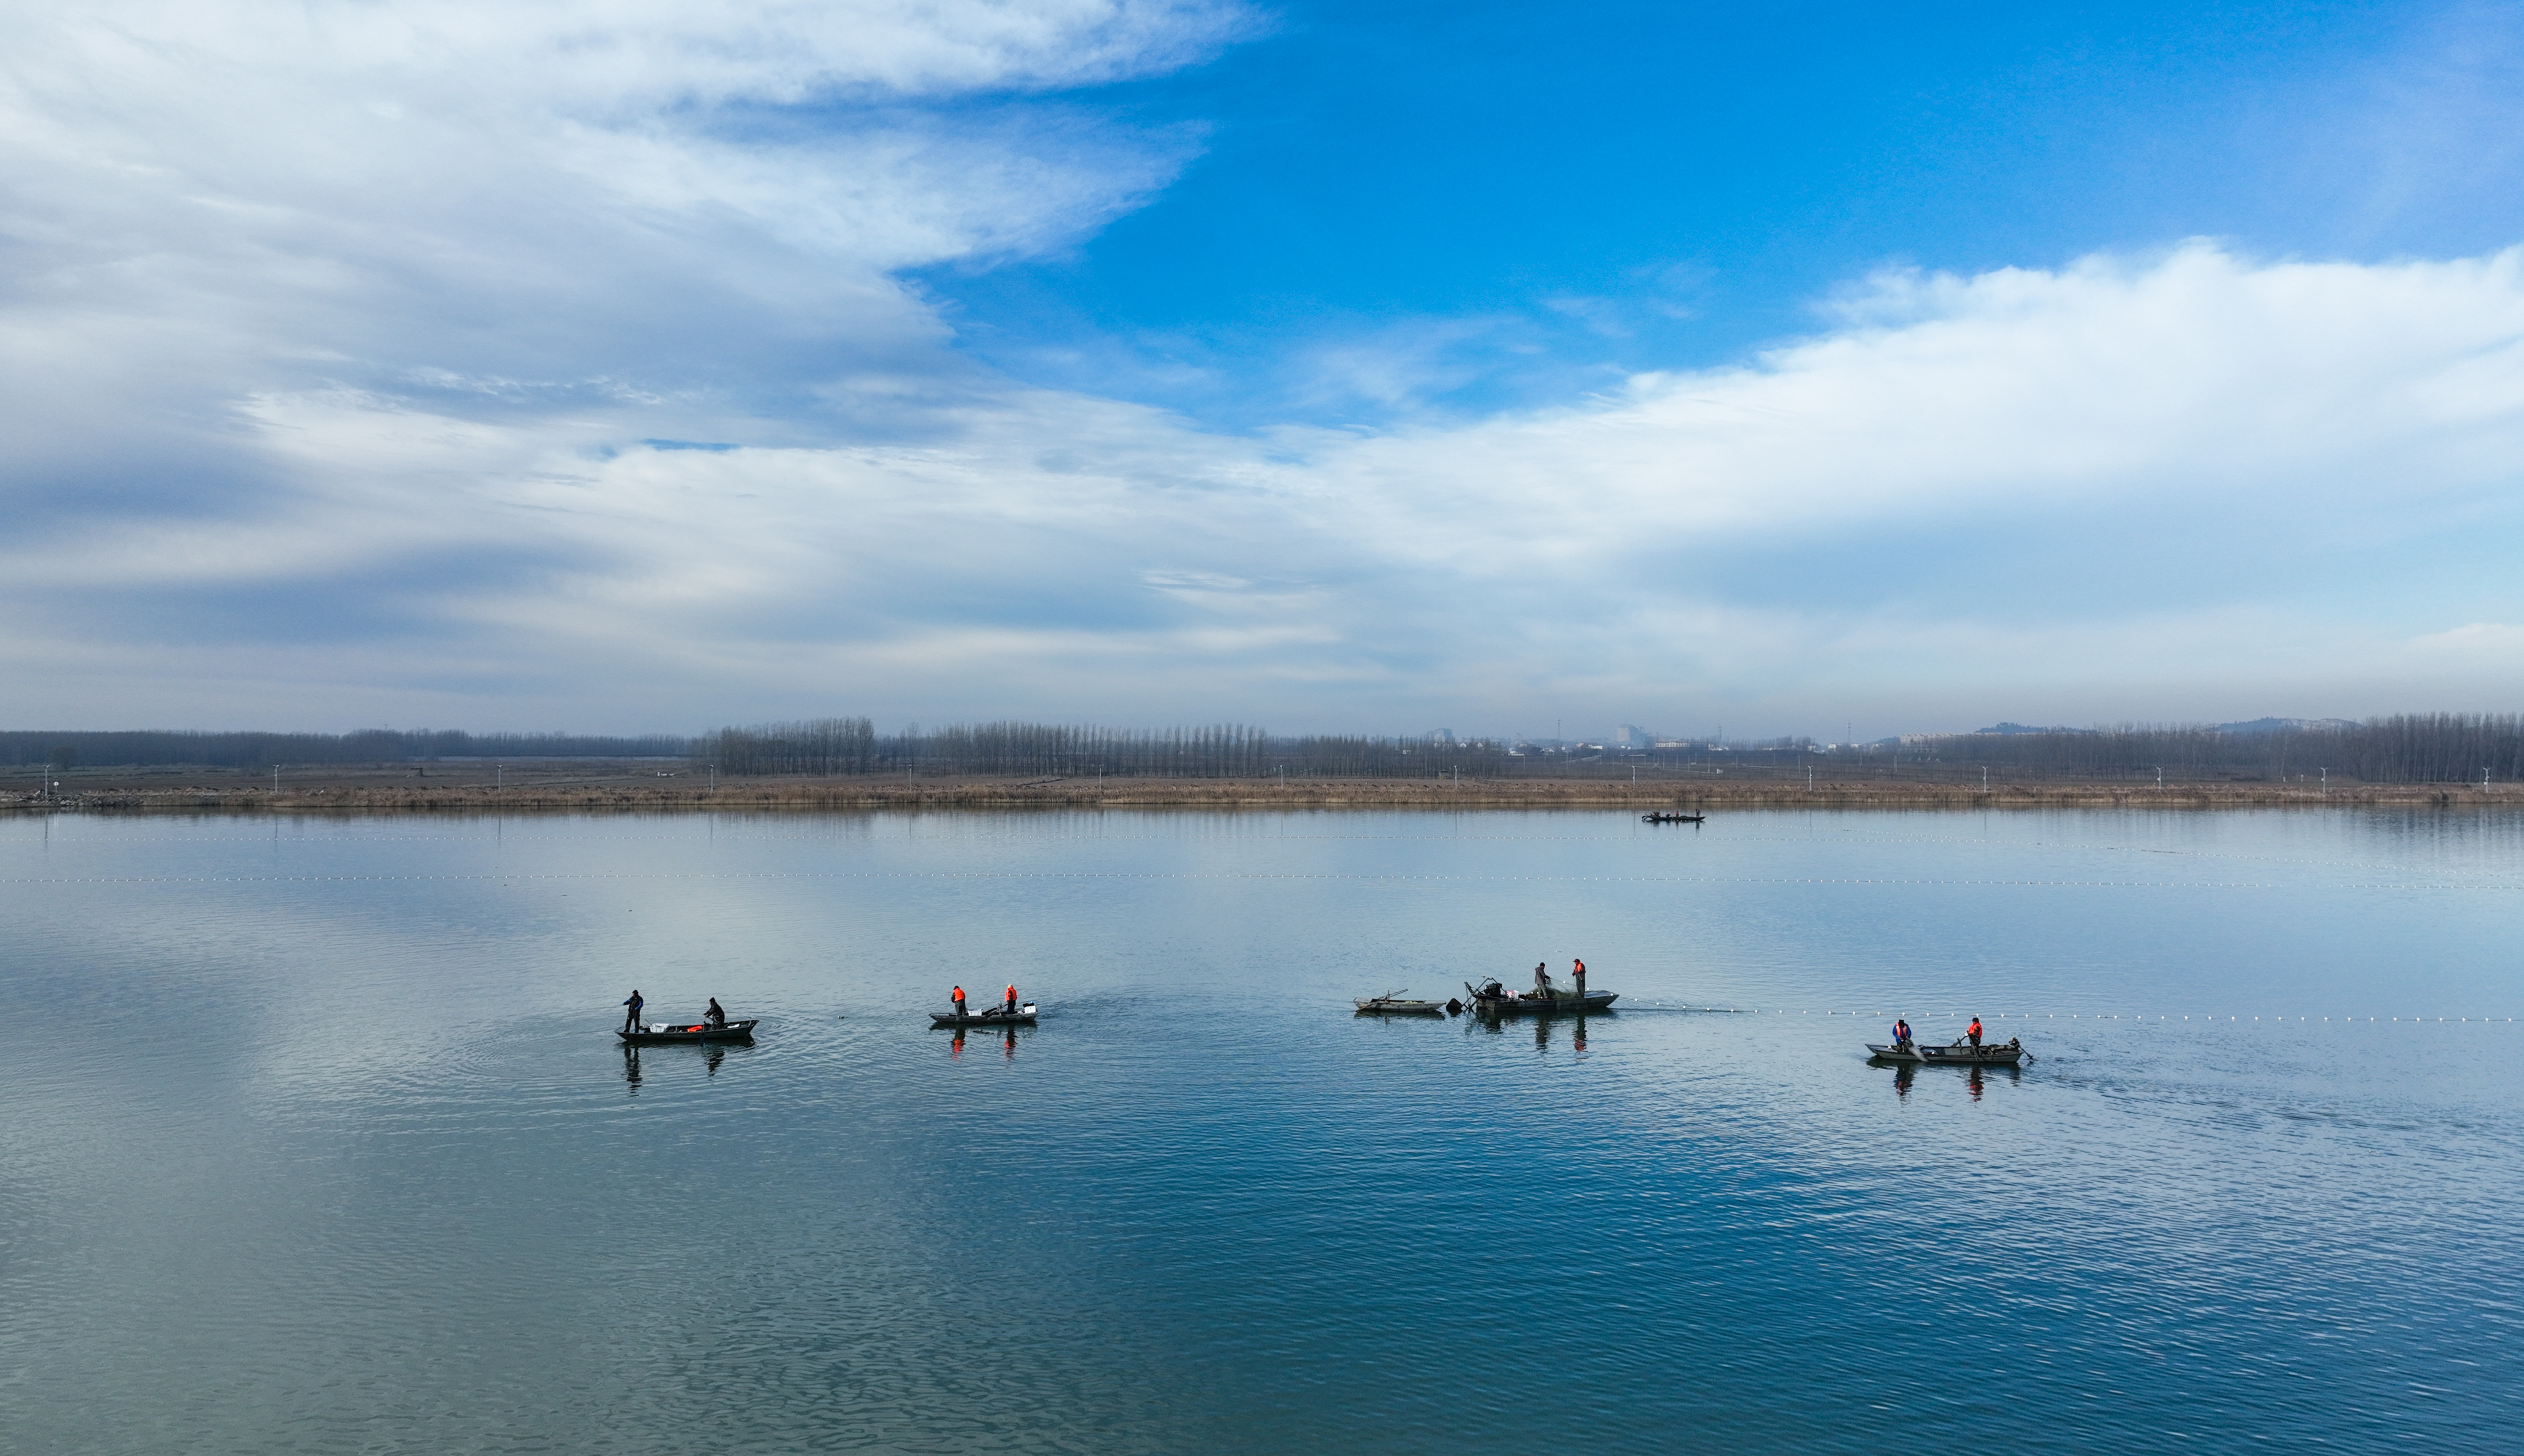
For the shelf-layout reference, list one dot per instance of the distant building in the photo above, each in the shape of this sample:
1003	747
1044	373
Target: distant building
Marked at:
1632	736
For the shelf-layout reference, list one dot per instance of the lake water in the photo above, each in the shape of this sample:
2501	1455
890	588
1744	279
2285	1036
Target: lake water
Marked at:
318	1137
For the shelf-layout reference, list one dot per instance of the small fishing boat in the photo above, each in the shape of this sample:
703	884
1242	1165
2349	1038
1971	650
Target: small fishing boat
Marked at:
1499	1001
657	1033
1665	818
995	1016
1899	1051
1393	1003
1966	1054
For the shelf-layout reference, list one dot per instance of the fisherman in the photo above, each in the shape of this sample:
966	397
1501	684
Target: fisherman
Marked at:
958	1000
1009	1007
714	1015
1541	980
1580	974
1973	1031
631	1018
1901	1033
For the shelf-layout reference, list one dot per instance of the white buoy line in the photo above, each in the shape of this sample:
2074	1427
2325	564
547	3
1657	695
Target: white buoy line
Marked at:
2162	1016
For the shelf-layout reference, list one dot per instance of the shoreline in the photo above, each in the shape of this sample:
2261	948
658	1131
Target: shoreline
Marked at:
360	794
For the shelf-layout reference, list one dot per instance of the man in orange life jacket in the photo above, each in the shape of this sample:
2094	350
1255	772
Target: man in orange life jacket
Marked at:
958	1000
1974	1031
1581	973
1011	1003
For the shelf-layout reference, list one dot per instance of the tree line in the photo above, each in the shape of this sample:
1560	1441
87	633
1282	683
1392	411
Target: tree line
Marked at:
2401	749
852	745
118	749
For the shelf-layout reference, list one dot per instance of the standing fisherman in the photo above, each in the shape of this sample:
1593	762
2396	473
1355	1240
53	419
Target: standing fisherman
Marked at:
1541	980
1974	1033
631	1018
1901	1032
1580	974
1010	1006
958	1000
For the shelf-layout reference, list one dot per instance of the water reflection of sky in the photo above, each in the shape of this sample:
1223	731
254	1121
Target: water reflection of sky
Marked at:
328	1140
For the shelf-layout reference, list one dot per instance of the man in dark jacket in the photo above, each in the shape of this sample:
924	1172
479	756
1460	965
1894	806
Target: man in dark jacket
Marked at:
631	1017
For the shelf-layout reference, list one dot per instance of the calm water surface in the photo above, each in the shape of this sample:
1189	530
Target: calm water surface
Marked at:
317	1138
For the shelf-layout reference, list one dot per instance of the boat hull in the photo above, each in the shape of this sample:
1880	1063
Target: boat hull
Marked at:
1381	1006
1966	1055
1534	1005
938	1019
734	1031
1895	1053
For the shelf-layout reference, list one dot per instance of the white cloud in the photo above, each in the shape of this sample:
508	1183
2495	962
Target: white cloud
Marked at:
335	335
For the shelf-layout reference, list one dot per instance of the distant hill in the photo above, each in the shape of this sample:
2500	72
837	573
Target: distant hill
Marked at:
2013	728
2287	725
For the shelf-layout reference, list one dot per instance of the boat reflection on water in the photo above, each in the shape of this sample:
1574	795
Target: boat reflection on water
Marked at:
1007	1044
713	1053
2011	1074
1975	1078
1542	1026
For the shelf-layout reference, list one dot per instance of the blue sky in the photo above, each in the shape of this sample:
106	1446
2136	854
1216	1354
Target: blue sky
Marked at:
1378	366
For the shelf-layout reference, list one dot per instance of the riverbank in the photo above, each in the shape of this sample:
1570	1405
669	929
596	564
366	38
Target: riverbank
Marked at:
515	790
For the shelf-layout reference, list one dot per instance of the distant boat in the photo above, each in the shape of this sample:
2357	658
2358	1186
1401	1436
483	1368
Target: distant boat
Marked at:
995	1016
699	1031
1663	818
1392	1004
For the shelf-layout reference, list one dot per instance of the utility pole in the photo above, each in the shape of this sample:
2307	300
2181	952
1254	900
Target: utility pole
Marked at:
275	778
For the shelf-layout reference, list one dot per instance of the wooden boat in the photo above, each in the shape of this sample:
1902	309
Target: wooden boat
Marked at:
1393	1003
1491	998
1966	1054
995	1016
1663	818
657	1033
